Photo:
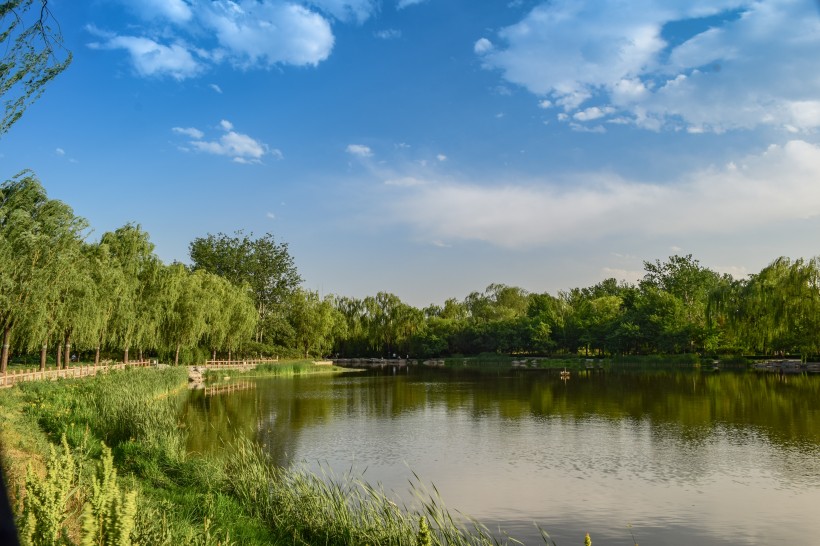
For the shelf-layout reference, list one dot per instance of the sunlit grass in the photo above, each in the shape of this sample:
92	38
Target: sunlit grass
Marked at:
236	497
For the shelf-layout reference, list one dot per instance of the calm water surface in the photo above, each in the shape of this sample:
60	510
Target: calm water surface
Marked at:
671	458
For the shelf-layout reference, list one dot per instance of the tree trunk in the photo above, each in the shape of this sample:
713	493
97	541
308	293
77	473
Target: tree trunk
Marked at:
214	355
229	355
67	350
140	353
125	356
4	357
176	356
97	356
43	355
59	355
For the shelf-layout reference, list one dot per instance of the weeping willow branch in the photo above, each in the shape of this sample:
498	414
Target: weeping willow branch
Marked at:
31	45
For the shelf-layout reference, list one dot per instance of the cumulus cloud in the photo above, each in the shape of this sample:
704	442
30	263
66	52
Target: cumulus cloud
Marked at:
405	3
757	191
592	113
268	33
177	11
151	58
347	10
359	150
388	34
744	66
482	45
241	148
215	87
189	131
183	39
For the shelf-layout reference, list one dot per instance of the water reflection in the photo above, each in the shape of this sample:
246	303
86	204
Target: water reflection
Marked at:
682	457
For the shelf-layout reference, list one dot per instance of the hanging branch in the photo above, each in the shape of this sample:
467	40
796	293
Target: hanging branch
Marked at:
32	55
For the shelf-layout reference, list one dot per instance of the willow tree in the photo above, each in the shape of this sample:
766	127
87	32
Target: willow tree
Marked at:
133	253
782	306
241	316
313	320
217	291
33	55
34	233
185	305
64	308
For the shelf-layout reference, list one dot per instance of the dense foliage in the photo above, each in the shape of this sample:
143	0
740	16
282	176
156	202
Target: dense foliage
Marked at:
115	295
242	296
678	307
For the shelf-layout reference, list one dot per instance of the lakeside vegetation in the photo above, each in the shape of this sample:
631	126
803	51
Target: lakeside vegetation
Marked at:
64	297
120	433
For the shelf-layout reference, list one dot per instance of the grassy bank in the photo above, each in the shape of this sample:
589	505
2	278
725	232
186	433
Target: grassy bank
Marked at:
286	368
160	495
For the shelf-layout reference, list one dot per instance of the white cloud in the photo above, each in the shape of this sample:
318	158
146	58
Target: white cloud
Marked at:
59	151
268	33
621	274
405	3
736	271
388	34
189	131
749	69
592	113
270	215
241	148
764	190
215	87
347	10
185	38
482	46
177	11
359	150
405	181
545	104
441	157
151	58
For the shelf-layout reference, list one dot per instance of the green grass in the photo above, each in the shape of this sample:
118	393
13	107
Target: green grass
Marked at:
286	368
236	497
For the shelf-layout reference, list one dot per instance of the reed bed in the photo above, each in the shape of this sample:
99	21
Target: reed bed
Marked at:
305	508
237	497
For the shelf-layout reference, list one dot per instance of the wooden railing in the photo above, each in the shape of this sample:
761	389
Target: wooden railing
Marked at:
238	363
230	387
12	377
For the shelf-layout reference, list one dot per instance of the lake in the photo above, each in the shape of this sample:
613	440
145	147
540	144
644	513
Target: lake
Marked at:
668	458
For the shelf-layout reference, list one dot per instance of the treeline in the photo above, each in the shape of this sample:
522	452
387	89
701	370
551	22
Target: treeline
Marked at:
678	307
241	296
59	292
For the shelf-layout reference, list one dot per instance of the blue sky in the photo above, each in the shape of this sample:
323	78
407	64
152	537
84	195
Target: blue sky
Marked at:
431	147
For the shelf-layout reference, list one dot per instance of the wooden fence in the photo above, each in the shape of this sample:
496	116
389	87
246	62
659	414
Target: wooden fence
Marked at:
238	363
229	387
12	377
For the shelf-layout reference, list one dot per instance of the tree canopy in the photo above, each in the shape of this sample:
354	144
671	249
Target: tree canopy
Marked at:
33	55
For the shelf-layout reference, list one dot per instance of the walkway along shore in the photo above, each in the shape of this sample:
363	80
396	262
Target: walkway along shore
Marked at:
13	377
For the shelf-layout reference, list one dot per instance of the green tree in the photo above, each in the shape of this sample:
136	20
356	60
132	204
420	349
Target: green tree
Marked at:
132	318
264	265
313	321
34	233
184	304
33	55
685	280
